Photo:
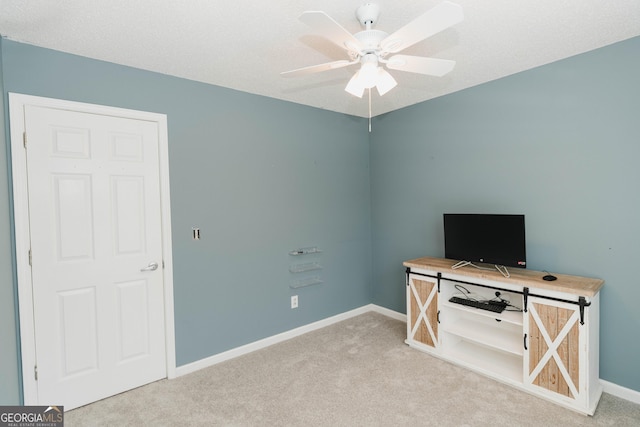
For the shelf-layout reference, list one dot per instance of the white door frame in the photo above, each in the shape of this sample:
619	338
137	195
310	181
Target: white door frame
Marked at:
17	102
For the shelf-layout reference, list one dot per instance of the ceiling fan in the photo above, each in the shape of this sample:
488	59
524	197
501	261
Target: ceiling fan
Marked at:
371	48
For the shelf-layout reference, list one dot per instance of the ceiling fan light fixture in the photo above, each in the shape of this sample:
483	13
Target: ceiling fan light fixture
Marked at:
368	74
355	86
386	82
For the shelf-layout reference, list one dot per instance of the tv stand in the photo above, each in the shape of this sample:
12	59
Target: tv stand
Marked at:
550	348
501	268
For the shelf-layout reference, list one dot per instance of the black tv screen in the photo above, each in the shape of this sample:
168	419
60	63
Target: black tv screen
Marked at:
486	238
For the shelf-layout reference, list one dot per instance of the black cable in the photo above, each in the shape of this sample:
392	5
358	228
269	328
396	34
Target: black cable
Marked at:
462	289
465	292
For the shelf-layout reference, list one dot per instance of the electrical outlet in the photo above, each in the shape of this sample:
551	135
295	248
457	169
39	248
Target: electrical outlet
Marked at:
294	301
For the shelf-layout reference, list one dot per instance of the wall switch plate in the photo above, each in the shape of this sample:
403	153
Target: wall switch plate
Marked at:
294	301
196	233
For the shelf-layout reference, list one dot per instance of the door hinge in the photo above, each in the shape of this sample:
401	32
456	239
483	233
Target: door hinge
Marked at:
35	372
24	139
30	258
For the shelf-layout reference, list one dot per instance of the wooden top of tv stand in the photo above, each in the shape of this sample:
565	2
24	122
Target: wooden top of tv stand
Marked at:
582	286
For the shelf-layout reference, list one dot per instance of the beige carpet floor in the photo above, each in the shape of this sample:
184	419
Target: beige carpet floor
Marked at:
357	372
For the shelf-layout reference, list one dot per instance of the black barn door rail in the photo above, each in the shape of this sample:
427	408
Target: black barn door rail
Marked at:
582	301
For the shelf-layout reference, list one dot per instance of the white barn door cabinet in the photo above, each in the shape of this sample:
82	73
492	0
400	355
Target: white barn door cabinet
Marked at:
546	345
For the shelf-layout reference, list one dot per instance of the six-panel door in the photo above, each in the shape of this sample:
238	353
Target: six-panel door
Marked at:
98	300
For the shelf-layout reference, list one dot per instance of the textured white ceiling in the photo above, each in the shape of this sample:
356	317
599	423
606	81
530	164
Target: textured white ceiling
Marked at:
245	44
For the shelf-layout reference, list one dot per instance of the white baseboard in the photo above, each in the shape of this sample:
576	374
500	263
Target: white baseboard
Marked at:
608	387
621	392
387	312
266	342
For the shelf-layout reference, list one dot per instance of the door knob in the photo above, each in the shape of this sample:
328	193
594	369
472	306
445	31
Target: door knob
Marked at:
152	266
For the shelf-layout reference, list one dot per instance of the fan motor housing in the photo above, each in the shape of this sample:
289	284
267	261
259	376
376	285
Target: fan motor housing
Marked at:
370	39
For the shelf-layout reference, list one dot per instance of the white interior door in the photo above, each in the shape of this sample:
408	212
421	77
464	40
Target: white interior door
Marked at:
96	240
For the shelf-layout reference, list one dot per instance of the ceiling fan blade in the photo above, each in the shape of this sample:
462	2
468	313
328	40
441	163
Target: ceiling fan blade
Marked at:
437	19
419	64
317	68
327	27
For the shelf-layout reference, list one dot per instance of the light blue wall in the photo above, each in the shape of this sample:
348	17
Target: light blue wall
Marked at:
9	368
560	144
260	177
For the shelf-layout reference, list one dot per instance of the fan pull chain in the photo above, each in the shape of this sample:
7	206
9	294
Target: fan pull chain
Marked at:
369	110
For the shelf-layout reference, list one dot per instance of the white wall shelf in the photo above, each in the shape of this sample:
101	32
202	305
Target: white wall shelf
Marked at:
310	281
301	268
305	251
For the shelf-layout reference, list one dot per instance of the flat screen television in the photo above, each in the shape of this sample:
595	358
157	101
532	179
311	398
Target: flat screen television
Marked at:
486	238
